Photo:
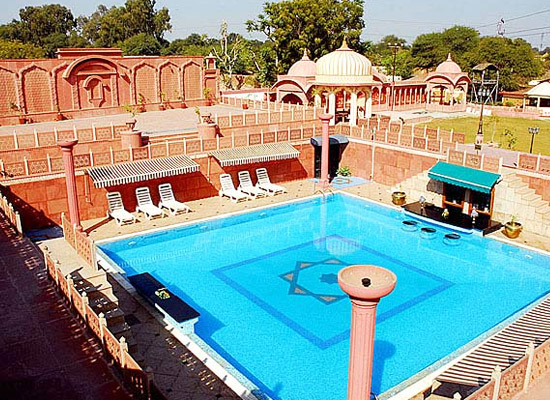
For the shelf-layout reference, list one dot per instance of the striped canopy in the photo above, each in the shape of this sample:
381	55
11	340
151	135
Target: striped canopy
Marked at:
143	170
254	154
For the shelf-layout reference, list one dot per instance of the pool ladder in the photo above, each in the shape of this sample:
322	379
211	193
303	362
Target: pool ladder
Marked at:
323	192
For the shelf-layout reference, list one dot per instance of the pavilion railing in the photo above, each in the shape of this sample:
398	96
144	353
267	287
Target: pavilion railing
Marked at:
80	241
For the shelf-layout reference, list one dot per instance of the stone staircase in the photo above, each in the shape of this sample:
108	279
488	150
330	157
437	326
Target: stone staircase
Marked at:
101	299
513	197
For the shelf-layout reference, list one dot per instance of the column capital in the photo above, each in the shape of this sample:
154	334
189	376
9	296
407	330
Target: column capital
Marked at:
326	117
67	145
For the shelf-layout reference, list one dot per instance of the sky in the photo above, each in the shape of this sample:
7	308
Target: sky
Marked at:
404	18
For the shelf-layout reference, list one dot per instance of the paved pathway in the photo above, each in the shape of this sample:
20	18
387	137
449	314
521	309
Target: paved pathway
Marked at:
44	352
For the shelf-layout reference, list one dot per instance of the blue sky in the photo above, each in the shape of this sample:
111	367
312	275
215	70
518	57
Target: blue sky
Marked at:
404	18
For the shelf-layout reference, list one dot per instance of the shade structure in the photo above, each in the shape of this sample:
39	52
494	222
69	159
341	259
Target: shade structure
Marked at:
469	178
143	170
332	139
255	154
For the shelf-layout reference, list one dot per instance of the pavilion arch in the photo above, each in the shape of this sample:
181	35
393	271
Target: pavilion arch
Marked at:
192	80
292	98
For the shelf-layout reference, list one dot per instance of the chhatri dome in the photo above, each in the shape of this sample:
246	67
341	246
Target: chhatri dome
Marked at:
448	67
304	67
343	66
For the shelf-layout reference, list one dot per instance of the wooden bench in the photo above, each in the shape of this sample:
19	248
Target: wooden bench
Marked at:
176	312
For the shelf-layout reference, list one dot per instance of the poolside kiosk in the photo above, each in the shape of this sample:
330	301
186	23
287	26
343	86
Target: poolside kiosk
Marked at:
465	190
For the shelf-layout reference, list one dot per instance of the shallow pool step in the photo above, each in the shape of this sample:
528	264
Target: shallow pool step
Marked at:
502	349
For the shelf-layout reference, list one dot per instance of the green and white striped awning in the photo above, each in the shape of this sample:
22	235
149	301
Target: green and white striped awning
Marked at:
142	170
469	178
255	154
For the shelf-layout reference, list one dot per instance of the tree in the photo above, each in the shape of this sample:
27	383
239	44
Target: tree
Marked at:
15	49
48	26
141	44
318	26
427	50
109	27
514	58
230	56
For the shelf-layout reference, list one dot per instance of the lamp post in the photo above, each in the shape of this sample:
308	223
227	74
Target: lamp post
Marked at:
533	130
483	93
395	48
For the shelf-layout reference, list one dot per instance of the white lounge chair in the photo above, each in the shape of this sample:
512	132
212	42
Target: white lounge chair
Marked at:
265	183
246	186
168	201
145	204
228	189
117	211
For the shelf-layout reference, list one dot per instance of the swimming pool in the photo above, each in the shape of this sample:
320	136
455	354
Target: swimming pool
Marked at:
265	285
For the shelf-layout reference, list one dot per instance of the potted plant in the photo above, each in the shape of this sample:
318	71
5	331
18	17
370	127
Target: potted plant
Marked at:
162	105
16	108
398	197
131	123
207	92
183	104
512	228
198	112
343	171
141	101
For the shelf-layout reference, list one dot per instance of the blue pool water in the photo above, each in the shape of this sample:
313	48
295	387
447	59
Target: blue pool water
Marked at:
265	283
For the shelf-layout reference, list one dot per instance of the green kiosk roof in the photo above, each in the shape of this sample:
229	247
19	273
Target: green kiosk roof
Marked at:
469	178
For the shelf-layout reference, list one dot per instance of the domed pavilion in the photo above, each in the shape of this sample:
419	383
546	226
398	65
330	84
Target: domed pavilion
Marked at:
347	86
447	87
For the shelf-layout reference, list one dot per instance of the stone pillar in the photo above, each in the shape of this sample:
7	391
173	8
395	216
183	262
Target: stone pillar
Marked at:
70	180
317	100
325	120
368	106
332	107
353	109
366	285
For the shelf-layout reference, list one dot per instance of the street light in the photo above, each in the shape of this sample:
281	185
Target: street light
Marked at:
533	131
395	48
479	136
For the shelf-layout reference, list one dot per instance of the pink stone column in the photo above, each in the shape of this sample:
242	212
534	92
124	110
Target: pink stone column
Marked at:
325	120
70	180
363	317
366	285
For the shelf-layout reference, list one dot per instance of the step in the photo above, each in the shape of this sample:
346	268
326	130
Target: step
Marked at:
524	190
102	304
510	179
531	197
542	211
538	204
114	317
122	329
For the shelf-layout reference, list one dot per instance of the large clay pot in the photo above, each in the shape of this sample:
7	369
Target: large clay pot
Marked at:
130	139
512	229
398	198
207	131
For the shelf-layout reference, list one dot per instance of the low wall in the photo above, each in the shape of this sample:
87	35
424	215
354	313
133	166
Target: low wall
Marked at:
41	202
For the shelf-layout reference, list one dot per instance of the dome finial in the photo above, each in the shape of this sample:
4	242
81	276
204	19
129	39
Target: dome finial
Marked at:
305	56
345	44
449	57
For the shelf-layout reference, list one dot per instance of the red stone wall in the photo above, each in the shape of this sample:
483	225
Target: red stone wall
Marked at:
98	82
391	166
42	202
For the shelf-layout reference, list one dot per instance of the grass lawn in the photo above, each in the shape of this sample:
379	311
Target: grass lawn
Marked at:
494	127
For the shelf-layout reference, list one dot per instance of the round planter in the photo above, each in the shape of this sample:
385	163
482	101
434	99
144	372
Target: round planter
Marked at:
131	139
398	198
130	124
512	229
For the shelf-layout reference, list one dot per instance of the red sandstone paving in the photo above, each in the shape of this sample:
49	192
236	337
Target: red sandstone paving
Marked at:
44	352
